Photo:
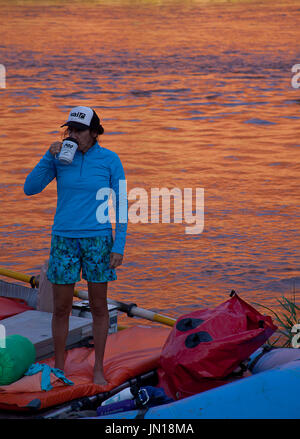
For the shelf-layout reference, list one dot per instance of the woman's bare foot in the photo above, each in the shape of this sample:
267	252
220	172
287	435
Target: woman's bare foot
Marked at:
99	378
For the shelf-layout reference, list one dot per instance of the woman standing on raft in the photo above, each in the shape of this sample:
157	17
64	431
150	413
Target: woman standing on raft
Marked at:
81	240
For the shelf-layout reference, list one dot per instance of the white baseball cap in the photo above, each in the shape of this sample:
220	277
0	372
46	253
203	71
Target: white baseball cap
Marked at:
83	118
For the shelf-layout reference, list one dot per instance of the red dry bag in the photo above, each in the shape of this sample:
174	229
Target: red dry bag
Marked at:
206	346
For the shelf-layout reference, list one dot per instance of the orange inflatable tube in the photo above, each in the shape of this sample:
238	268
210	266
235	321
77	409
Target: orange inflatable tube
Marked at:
129	353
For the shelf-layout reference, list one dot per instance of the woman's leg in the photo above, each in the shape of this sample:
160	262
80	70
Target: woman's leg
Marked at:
98	304
62	300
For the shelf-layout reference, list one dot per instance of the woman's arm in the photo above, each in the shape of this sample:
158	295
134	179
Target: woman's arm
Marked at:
43	173
118	184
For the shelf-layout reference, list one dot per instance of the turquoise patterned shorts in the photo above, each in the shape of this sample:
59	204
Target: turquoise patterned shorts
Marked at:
68	256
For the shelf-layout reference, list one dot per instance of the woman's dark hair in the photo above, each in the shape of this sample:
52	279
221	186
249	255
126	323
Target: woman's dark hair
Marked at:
96	125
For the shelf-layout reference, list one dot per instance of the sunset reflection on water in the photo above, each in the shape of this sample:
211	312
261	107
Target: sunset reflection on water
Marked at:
191	94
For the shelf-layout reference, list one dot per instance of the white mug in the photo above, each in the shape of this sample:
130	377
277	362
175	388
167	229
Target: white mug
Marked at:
68	150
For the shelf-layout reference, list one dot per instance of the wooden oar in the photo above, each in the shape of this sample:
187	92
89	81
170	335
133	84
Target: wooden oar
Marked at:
132	310
32	280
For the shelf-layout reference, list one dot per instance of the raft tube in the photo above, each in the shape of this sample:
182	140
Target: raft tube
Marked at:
273	394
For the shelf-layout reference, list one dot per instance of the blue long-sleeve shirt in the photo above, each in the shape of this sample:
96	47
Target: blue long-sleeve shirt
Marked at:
82	193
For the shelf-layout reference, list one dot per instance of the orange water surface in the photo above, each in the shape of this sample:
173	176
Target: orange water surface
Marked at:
192	94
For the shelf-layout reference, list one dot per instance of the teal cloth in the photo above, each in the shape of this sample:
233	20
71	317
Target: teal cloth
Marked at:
46	373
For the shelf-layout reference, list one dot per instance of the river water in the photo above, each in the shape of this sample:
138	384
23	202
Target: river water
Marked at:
192	94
